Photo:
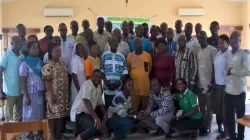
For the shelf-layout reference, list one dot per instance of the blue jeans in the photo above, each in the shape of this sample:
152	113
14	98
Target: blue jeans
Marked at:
119	126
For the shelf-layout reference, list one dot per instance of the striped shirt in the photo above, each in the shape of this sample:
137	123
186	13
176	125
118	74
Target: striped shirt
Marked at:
163	101
186	65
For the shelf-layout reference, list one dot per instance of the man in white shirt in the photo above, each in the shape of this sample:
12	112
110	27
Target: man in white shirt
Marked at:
88	121
178	32
67	45
192	43
239	68
205	59
123	47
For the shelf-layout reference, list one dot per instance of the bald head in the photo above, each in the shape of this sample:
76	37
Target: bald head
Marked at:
202	38
113	42
235	40
182	42
138	44
139	30
117	33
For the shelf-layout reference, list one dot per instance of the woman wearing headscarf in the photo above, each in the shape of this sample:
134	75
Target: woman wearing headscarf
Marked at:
77	69
55	77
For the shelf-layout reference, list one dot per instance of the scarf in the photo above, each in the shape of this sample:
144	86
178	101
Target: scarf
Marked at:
35	64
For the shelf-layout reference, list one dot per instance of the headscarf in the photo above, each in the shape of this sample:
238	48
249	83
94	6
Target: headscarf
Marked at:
74	51
35	63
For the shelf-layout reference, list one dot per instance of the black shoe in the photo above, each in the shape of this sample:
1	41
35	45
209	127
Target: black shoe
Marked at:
220	129
205	132
168	136
146	130
134	129
159	132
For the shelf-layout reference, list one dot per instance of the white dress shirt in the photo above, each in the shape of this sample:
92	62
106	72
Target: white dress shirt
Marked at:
67	49
194	45
177	35
221	66
239	62
123	48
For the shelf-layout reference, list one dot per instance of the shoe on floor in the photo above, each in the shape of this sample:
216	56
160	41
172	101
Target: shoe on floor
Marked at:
220	129
159	132
205	132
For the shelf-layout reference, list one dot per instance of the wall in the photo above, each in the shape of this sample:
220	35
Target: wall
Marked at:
30	12
1	23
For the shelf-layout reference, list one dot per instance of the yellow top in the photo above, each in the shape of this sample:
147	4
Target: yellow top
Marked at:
139	67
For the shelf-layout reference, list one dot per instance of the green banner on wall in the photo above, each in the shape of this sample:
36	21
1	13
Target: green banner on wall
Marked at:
117	21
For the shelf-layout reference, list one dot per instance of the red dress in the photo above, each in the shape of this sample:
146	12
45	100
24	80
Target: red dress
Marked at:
163	68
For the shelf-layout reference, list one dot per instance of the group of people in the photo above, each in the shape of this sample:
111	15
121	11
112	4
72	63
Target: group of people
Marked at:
157	78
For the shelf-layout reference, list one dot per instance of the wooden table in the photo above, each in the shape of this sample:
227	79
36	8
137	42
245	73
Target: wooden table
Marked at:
244	121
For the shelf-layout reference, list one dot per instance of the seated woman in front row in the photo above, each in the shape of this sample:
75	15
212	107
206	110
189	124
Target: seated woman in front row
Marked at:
191	118
121	115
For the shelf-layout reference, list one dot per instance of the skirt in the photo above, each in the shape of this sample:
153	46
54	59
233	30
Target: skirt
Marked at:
217	98
35	111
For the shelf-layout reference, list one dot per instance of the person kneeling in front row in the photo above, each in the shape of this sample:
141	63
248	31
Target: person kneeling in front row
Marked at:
163	116
88	124
191	118
121	115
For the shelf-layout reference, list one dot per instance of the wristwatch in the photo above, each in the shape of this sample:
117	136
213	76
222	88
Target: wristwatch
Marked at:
135	116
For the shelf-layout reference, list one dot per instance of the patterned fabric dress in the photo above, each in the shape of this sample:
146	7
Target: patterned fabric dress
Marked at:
35	86
56	74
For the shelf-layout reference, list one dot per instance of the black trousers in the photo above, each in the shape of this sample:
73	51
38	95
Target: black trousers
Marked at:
108	100
235	104
85	126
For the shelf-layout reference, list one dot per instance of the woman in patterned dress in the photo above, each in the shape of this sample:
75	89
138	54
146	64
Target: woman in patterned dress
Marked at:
32	85
55	77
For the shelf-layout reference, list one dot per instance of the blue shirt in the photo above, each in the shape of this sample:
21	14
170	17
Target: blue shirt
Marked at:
171	47
11	82
113	65
146	45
